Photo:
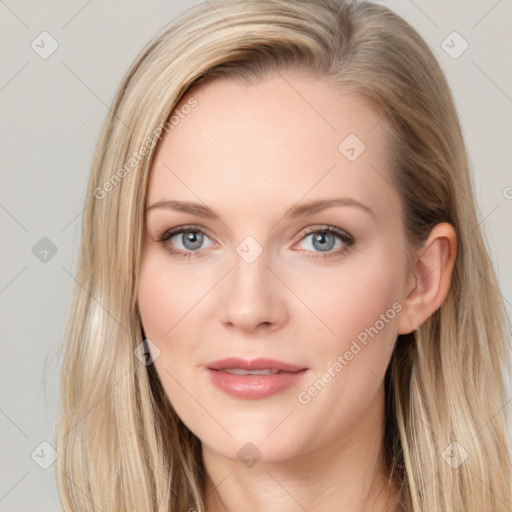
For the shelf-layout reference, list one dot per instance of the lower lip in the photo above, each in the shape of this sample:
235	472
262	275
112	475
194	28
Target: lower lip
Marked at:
253	387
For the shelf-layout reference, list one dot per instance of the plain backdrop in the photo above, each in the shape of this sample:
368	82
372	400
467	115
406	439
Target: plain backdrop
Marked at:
51	110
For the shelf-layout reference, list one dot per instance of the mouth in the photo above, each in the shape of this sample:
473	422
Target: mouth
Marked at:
255	365
241	371
255	379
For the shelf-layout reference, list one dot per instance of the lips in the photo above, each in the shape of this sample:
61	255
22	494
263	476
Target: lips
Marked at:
233	363
256	379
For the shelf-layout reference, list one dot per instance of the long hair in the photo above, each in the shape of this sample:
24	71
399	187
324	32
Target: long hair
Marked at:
121	445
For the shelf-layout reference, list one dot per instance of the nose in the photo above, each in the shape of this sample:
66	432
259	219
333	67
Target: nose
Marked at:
255	297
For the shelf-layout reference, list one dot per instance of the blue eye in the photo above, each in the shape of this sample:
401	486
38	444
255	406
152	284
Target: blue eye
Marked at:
323	241
190	237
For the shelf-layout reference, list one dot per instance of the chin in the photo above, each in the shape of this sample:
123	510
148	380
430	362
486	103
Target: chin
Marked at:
252	450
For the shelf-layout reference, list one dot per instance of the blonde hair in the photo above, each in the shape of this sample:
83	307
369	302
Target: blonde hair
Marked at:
121	445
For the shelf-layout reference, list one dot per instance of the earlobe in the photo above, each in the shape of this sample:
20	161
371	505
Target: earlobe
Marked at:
433	266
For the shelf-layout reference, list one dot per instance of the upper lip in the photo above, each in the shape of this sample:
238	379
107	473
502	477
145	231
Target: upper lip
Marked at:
254	364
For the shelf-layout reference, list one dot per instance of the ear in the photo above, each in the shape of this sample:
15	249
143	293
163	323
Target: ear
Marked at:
429	281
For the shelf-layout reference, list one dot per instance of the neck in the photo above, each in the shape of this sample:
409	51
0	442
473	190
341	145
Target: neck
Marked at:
346	474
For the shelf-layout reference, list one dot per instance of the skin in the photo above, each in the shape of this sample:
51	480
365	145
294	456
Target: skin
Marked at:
250	153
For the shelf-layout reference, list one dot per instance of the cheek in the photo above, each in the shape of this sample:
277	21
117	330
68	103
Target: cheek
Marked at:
168	302
355	296
171	303
359	305
164	297
153	299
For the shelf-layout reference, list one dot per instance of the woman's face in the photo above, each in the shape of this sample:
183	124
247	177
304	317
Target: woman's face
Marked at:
257	277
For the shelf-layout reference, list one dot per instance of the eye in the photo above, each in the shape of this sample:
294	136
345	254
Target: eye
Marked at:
191	239
323	241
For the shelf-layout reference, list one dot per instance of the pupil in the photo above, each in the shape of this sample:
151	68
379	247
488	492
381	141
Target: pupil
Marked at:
192	238
321	237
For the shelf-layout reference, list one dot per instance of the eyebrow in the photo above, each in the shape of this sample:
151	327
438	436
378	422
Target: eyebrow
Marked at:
301	210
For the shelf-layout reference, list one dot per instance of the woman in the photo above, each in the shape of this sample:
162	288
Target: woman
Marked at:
285	299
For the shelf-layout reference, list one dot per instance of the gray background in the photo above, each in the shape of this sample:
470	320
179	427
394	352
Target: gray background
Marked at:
51	112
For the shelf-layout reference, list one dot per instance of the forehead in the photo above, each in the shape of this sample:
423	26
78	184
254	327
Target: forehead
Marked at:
278	140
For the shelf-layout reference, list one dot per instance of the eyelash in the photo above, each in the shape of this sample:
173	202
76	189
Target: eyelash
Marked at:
344	236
